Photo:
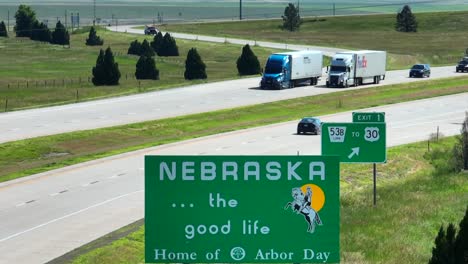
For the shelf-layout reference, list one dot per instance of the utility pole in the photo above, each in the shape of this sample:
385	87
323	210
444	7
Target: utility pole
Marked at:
333	9
94	13
66	26
8	27
240	9
298	8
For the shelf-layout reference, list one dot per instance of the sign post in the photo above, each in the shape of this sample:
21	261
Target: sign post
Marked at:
370	117
248	209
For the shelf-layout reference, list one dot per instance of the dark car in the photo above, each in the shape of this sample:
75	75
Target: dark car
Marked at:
462	66
420	70
150	30
309	125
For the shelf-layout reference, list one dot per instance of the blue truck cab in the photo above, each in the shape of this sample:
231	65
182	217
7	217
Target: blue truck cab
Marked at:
277	74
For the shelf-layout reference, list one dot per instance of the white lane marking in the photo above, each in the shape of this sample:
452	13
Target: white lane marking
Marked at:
68	215
54	194
89	183
21	204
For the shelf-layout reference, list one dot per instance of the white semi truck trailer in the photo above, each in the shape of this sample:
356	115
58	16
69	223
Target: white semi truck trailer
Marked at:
285	70
354	68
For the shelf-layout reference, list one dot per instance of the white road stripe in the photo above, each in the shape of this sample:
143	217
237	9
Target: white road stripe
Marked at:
68	215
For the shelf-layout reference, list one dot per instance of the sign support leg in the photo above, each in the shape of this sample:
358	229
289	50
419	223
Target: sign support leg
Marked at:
375	184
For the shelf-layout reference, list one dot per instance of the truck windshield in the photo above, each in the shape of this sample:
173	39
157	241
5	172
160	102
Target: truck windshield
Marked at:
338	68
273	68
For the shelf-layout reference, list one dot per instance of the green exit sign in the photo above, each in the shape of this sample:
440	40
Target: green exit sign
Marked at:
369	117
242	209
355	142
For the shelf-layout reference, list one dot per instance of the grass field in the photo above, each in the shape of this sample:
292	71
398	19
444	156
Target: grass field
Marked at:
34	74
441	38
414	199
26	157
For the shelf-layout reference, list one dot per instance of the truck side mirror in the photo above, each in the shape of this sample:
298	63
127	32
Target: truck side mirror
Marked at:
348	69
327	69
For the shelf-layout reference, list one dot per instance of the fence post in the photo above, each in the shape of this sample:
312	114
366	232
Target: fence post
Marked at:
6	104
77	96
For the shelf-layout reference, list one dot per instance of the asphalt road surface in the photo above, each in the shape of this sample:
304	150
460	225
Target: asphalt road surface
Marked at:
46	215
168	103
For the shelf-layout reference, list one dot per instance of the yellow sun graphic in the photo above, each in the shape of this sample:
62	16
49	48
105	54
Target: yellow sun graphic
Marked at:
318	196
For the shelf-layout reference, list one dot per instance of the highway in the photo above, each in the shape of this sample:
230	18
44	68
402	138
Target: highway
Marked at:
168	103
46	215
24	124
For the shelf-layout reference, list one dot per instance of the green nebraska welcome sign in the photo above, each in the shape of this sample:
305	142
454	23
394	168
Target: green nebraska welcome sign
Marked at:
247	209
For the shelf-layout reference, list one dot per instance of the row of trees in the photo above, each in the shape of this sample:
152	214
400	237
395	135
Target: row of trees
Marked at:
163	46
28	26
106	71
405	20
141	49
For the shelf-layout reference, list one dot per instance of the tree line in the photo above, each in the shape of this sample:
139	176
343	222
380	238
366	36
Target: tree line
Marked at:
405	19
28	26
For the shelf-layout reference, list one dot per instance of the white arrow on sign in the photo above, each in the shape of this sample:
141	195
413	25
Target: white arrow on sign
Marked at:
355	151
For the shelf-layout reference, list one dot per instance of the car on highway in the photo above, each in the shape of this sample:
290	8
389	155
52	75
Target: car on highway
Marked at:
151	30
309	125
462	65
420	70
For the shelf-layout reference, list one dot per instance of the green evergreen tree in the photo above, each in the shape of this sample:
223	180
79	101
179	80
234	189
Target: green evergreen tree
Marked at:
157	43
146	69
60	35
450	247
461	242
439	252
93	39
106	71
3	30
146	49
291	18
25	18
40	32
194	66
247	63
135	48
169	46
99	70
406	21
